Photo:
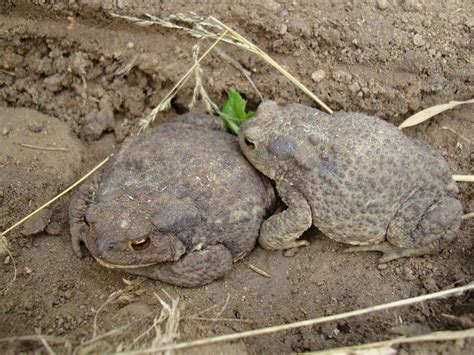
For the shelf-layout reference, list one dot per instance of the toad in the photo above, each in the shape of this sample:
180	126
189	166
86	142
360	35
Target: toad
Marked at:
355	177
178	203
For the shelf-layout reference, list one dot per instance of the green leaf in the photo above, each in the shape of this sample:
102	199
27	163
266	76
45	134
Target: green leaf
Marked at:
233	111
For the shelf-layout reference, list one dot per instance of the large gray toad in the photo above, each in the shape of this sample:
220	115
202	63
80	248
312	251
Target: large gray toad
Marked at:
355	177
178	203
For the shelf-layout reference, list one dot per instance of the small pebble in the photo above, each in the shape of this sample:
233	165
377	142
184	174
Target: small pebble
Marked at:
382	266
27	270
54	228
271	5
283	29
470	22
36	127
7	260
318	75
354	87
5	131
342	76
426	22
408	274
130	45
37	223
290	252
382	4
418	40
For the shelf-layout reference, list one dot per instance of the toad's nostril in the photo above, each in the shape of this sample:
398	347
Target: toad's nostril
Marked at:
140	244
249	144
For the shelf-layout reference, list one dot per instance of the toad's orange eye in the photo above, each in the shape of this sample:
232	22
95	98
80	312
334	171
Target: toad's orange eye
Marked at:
140	244
249	144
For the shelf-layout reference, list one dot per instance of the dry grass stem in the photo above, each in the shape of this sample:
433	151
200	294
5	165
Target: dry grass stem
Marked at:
468	215
171	314
200	28
224	307
59	149
197	26
3	245
299	324
258	270
126	295
220	319
127	67
15	271
43	339
46	345
268	59
166	102
425	114
7	72
376	347
50	338
240	68
465	178
110	333
458	134
224	302
199	91
55	198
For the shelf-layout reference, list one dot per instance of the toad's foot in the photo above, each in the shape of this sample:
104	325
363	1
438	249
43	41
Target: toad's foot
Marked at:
391	252
282	230
197	268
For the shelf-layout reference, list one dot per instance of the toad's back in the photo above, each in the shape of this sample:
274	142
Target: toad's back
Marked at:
371	167
186	161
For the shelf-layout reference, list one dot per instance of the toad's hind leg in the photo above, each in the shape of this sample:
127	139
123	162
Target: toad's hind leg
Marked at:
194	269
282	230
415	231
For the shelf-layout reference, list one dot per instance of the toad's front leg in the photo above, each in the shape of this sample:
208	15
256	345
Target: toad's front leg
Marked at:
80	201
282	230
197	268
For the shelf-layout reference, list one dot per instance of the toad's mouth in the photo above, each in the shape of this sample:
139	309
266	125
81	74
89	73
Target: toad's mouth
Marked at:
121	266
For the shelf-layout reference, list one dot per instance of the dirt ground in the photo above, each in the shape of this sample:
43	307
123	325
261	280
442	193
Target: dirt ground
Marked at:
62	88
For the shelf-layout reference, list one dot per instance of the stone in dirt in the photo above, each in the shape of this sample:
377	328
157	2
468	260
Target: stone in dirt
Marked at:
318	75
37	223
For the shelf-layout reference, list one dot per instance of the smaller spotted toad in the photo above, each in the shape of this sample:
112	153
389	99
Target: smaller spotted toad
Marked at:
355	177
179	203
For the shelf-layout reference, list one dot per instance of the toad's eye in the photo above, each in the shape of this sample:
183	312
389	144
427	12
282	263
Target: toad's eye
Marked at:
249	144
140	244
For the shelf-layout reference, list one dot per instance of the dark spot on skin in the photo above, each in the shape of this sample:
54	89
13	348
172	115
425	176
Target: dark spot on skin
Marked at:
348	185
283	146
327	168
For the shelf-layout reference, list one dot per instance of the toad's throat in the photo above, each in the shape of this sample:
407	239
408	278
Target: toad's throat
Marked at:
119	266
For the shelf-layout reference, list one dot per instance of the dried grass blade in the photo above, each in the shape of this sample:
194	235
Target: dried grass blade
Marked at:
151	117
386	344
272	62
464	178
422	116
278	328
55	198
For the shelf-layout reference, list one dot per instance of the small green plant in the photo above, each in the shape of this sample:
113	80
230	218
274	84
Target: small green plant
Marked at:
233	111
